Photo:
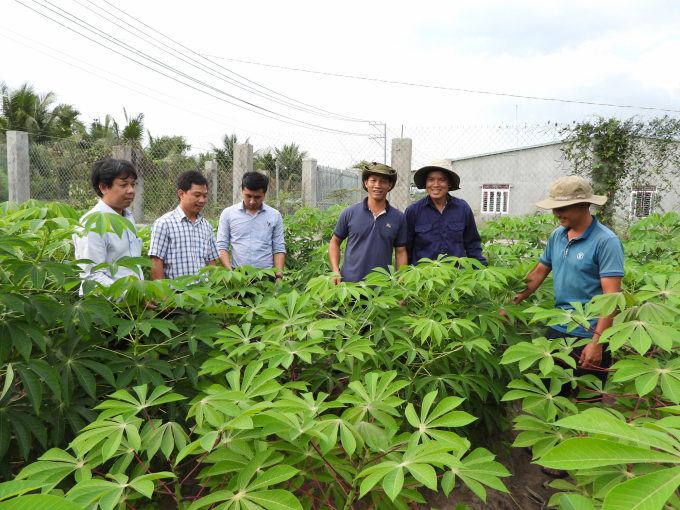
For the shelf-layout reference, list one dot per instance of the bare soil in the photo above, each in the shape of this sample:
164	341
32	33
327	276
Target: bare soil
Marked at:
524	474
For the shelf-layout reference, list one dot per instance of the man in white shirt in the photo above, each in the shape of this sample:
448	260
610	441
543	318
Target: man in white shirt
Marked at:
114	181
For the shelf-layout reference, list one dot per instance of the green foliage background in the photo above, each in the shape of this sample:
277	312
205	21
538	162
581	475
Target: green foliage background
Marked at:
238	393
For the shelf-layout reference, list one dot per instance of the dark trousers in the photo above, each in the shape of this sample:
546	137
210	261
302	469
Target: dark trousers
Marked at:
552	334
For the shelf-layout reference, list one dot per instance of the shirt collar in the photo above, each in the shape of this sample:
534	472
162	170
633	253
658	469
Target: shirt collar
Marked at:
181	214
428	200
387	205
264	207
104	207
588	231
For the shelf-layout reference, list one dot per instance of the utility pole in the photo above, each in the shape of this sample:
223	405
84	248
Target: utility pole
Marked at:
377	125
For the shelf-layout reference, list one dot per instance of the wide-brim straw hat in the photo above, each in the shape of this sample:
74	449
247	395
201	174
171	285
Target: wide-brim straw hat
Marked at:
441	165
570	190
378	169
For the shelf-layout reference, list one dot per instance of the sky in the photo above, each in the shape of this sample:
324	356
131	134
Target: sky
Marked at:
622	52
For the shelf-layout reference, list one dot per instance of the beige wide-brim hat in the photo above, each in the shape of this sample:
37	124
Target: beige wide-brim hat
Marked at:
378	169
570	190
441	165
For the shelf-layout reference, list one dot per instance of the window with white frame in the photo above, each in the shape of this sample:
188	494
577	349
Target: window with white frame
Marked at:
495	198
642	200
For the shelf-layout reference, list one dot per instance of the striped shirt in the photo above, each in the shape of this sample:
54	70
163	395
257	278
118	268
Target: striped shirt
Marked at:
183	246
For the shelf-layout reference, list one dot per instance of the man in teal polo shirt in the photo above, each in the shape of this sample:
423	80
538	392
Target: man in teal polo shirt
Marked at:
586	259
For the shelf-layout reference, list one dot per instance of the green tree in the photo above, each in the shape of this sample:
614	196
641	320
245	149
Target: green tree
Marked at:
133	131
225	155
23	109
290	161
162	147
264	161
101	131
618	155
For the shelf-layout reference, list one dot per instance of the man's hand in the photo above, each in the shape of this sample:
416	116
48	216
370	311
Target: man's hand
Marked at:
503	313
402	302
591	355
336	280
150	305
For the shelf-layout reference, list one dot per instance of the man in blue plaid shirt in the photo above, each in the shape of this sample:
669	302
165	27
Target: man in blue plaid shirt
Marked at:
182	241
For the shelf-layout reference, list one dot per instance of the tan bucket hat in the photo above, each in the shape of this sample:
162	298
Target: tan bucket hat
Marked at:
568	191
380	169
442	165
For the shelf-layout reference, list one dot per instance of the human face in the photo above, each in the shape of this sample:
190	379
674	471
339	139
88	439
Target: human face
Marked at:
437	184
252	199
377	186
572	215
120	195
193	200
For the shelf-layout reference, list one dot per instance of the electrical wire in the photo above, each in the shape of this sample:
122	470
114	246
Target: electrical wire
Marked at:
228	70
307	108
422	85
291	121
117	42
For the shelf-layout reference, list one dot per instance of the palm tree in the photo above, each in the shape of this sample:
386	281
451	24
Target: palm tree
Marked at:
290	161
264	161
101	131
24	110
225	155
133	130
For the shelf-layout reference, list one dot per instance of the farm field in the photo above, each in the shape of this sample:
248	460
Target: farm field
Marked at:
236	393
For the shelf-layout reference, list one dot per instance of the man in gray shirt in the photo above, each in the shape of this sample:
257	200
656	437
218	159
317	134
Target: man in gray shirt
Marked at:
250	233
373	229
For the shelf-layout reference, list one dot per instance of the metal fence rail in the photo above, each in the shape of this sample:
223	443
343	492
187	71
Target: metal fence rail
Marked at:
504	170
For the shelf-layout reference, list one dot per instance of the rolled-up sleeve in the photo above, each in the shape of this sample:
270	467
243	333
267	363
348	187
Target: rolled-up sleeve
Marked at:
278	242
224	231
158	247
472	239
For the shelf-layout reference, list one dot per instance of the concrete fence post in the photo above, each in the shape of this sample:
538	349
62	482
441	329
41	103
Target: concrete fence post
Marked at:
211	176
309	182
18	169
134	156
402	149
243	162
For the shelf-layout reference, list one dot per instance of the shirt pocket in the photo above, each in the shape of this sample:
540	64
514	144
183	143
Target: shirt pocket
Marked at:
264	234
136	247
455	232
423	235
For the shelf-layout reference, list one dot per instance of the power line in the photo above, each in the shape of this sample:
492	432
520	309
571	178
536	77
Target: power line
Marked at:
275	138
393	82
214	63
292	121
117	42
221	76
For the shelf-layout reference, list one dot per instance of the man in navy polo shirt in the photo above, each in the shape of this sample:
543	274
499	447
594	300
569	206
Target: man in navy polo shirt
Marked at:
373	229
440	224
586	259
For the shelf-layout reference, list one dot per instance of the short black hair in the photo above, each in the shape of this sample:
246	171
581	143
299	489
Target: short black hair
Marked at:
189	178
105	171
254	181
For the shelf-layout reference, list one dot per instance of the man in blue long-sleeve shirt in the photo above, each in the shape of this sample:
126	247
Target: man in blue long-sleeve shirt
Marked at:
440	224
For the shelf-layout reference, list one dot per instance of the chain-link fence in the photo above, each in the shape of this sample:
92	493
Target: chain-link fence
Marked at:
504	170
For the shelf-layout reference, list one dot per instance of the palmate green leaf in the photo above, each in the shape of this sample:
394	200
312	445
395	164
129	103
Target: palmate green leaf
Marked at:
587	452
599	422
39	502
393	482
648	492
17	487
575	502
